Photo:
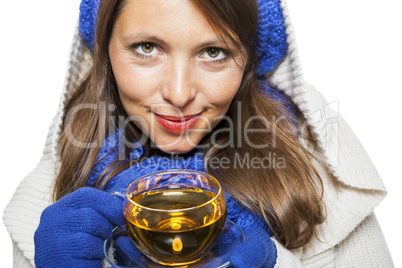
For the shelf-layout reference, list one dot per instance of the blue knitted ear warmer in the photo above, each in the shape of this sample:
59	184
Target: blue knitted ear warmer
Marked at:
87	21
272	44
272	39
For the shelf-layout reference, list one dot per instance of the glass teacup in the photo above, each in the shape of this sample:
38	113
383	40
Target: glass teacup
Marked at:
175	217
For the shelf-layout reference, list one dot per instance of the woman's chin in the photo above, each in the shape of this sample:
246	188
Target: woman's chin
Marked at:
176	150
182	147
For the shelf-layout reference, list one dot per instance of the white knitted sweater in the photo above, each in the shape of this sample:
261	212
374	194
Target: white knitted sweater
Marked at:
350	236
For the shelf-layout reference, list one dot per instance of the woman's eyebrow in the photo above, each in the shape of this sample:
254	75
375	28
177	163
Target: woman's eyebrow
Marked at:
212	43
142	36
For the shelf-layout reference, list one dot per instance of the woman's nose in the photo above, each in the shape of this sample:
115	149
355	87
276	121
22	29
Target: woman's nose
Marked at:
179	88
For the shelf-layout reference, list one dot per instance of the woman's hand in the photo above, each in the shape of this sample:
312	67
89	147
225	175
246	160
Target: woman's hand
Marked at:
126	253
71	232
257	250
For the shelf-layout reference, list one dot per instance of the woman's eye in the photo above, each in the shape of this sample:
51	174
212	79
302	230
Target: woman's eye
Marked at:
214	54
146	49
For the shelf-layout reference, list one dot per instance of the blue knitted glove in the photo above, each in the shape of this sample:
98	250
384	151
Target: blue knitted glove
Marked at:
127	254
258	250
71	232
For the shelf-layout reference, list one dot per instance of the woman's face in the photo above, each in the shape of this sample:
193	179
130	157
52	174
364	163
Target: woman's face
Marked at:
176	78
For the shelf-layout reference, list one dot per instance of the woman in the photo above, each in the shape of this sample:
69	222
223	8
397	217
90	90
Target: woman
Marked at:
188	90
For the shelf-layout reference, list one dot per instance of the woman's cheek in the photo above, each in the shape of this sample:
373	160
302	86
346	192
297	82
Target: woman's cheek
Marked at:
137	85
223	89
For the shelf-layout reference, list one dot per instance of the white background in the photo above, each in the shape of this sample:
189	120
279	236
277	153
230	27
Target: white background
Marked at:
351	50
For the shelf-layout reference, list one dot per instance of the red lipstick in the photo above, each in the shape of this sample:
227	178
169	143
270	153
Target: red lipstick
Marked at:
176	124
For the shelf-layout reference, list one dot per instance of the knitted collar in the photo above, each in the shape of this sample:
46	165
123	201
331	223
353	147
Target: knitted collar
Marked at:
111	150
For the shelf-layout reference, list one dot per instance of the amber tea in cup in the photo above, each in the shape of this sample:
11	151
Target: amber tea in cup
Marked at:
175	217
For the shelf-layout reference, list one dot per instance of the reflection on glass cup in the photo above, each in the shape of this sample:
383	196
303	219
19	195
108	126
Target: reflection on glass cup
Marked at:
176	216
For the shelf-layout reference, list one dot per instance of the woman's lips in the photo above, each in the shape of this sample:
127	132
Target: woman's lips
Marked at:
178	124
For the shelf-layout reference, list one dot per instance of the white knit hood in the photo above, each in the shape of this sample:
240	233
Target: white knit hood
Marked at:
347	162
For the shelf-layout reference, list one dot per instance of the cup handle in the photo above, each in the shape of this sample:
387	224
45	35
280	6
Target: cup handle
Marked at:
119	194
122	196
106	245
243	236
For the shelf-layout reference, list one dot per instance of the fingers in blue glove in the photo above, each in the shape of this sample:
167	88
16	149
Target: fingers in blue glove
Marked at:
258	250
84	246
126	252
107	205
89	220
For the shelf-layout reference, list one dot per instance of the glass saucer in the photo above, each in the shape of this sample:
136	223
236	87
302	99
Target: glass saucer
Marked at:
210	260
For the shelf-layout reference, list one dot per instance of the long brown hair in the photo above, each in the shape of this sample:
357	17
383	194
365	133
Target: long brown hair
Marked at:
287	195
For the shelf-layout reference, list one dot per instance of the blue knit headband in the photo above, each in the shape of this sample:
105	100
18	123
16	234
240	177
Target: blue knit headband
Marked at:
272	45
